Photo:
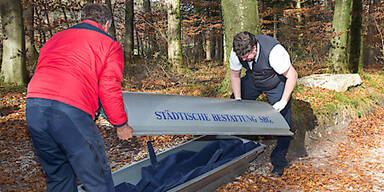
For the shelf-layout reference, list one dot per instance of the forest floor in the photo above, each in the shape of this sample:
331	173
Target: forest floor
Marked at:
347	159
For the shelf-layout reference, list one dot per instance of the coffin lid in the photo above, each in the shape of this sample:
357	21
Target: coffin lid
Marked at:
161	114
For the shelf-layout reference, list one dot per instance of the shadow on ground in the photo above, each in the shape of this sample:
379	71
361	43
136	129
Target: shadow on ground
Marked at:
303	121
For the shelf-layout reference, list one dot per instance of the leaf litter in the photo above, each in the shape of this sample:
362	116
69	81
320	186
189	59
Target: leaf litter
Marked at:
350	160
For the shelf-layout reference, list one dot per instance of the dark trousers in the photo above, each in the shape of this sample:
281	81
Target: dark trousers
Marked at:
250	92
68	145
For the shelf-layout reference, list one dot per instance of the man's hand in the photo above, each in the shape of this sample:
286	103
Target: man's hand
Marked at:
124	132
280	105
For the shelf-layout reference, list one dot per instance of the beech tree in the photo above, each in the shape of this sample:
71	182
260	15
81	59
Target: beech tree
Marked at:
340	23
356	38
13	58
241	15
174	35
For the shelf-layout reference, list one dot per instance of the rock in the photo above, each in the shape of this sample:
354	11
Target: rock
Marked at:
337	82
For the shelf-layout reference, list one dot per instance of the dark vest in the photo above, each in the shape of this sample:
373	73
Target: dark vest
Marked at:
262	73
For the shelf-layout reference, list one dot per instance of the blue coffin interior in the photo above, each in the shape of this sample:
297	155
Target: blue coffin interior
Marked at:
185	165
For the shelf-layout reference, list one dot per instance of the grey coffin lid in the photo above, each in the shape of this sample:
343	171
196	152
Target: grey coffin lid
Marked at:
161	114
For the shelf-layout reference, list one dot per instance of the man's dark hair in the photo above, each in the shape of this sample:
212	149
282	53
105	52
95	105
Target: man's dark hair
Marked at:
243	43
96	12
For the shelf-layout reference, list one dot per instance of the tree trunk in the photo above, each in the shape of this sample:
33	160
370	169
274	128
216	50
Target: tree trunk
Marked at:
1	42
355	37
13	58
370	52
31	54
241	15
208	43
149	36
361	59
112	29
129	37
341	22
174	36
299	23
143	5
198	49
219	48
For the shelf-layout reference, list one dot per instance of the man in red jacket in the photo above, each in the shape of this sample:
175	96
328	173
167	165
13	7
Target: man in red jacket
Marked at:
77	68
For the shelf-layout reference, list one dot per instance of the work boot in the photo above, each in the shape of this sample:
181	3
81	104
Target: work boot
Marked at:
277	171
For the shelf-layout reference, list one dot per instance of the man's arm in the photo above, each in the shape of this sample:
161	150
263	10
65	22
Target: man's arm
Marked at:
236	83
280	61
110	92
291	76
235	67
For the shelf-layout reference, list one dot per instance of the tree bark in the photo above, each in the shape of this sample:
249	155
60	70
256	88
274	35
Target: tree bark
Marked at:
112	29
174	36
31	54
219	48
209	43
241	15
13	58
341	23
198	48
129	37
361	59
370	52
355	37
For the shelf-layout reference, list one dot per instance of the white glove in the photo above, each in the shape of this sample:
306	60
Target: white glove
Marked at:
280	105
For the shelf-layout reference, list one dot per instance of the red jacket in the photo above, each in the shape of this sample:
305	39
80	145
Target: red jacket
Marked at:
78	66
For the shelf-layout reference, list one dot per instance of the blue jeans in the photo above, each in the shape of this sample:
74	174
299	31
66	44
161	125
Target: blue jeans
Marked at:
250	92
68	145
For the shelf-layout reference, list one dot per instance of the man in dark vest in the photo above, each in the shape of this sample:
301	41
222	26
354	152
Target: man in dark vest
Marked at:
77	68
269	71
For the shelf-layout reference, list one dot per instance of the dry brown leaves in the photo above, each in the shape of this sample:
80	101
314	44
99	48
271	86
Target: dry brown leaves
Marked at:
352	165
355	164
20	170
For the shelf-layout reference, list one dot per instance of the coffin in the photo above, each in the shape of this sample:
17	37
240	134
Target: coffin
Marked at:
215	118
208	181
160	114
